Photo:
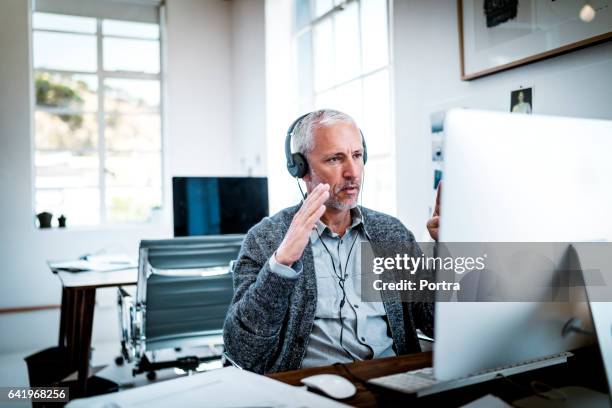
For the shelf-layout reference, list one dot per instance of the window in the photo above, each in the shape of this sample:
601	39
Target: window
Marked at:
97	118
343	63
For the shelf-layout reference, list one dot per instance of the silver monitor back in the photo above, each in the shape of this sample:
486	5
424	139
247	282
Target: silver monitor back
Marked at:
518	178
599	258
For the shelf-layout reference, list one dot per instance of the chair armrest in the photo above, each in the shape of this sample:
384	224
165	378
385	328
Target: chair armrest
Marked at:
226	360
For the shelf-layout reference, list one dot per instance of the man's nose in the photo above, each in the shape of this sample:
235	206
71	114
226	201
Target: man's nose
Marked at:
351	169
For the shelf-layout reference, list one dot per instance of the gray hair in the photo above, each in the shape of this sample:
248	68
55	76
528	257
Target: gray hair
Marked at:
303	134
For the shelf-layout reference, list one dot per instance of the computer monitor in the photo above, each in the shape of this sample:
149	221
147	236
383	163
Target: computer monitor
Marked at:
218	205
598	257
518	178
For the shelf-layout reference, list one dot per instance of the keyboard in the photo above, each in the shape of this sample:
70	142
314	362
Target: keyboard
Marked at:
422	381
409	382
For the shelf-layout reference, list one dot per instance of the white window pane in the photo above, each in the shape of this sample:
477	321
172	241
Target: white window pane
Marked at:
75	92
69	131
349	100
377	113
322	7
131	55
304	66
133	170
323	55
48	21
131	95
66	170
379	184
347	43
71	52
302	13
374	34
133	132
130	29
131	204
79	206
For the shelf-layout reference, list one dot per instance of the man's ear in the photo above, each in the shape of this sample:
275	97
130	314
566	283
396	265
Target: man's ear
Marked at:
307	178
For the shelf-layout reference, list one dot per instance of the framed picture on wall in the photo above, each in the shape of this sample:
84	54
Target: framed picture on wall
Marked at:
496	35
521	101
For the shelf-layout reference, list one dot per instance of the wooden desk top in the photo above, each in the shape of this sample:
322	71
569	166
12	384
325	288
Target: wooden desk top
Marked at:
585	369
359	372
95	279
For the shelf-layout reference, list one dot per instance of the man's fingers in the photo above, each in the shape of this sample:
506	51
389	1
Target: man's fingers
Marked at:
316	192
314	217
434	222
317	196
436	211
307	203
438	193
316	207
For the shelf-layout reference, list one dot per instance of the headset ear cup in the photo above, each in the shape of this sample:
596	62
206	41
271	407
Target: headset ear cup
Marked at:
300	165
365	148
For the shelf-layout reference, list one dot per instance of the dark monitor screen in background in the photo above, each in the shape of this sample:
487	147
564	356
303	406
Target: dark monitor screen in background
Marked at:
218	205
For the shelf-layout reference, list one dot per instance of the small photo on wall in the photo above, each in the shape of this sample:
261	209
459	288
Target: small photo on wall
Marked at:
521	101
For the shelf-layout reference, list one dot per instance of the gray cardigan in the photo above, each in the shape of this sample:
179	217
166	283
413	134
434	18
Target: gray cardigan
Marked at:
268	324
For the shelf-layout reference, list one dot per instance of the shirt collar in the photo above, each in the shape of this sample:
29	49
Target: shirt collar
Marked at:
356	222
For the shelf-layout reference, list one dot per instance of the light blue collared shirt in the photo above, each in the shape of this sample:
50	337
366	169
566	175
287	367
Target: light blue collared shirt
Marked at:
365	333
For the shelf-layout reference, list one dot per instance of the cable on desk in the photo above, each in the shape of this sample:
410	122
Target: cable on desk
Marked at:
558	395
353	376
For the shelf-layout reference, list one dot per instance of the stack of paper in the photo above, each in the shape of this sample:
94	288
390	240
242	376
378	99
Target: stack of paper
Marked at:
224	388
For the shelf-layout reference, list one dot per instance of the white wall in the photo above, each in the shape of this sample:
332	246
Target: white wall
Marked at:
249	86
426	79
199	87
207	82
216	87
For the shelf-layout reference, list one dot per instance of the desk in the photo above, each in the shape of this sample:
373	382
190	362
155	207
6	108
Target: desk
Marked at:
364	370
77	312
584	369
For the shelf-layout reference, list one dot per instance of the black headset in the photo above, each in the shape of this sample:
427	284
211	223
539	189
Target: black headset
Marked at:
297	165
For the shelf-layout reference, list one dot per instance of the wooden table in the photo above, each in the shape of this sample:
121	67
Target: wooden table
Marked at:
359	372
584	369
77	313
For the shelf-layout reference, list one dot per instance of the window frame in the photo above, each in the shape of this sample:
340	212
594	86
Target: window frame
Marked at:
101	75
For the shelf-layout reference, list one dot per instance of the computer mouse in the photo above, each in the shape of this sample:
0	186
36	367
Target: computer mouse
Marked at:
333	385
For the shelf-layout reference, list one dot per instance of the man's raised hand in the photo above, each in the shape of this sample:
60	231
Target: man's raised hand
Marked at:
296	238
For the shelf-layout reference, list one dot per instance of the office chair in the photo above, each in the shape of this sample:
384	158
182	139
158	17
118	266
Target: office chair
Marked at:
183	292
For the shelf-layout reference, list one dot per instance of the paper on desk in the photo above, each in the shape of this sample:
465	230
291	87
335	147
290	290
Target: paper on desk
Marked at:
227	387
110	259
100	265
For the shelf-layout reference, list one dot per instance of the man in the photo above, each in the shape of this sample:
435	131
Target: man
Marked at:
297	300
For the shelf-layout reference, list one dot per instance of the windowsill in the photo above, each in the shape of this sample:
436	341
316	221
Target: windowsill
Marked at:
107	227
